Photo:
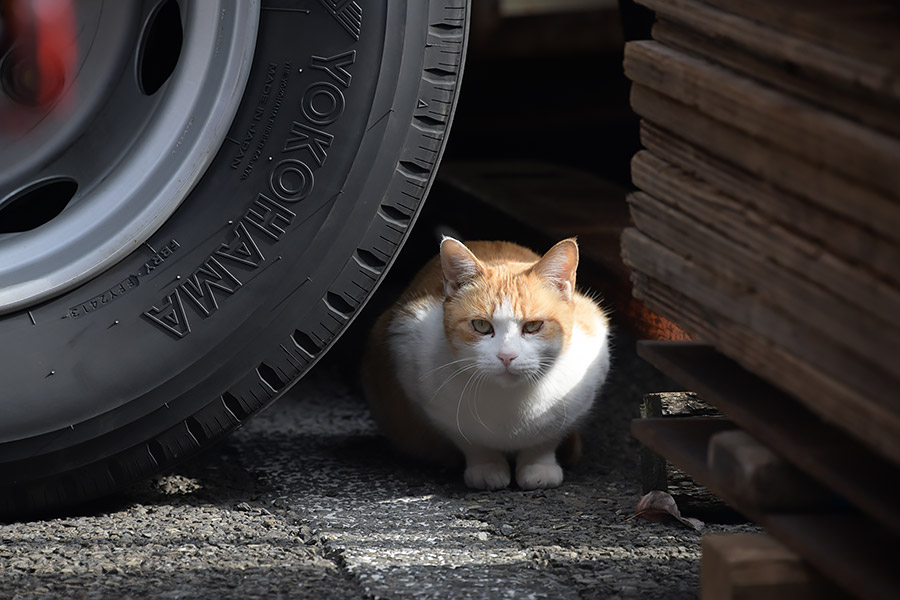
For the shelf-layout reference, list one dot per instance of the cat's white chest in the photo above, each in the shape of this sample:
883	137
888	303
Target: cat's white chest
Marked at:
471	407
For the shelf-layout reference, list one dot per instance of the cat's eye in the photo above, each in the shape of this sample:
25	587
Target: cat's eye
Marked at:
483	327
532	326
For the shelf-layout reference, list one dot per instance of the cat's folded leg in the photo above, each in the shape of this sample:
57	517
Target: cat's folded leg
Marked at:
536	468
486	469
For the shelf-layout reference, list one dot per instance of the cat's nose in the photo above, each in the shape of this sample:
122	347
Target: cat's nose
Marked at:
507	357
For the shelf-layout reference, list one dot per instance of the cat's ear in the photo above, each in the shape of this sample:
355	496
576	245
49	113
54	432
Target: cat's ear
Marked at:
558	267
458	264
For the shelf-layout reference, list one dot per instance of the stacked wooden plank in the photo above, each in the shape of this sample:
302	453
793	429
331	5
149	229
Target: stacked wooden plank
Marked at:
842	519
768	216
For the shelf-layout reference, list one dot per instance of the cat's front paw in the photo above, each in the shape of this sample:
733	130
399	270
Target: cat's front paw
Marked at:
488	476
539	476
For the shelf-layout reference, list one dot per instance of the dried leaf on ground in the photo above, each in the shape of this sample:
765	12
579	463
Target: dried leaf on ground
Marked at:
659	506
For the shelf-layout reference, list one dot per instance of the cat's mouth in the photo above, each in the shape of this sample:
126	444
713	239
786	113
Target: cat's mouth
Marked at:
509	377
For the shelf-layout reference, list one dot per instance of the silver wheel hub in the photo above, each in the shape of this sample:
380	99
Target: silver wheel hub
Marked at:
91	174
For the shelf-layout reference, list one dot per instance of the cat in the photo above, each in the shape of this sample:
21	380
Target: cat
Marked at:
489	354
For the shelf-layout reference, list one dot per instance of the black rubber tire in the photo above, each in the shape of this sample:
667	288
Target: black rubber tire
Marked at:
257	273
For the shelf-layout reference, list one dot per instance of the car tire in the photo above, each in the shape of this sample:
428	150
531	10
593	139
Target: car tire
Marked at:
278	245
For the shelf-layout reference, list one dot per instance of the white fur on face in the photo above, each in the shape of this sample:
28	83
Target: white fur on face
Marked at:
528	354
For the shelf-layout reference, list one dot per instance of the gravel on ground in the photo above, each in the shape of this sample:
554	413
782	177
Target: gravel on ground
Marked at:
306	501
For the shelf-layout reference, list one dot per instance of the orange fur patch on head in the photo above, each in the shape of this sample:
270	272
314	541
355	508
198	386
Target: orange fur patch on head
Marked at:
530	294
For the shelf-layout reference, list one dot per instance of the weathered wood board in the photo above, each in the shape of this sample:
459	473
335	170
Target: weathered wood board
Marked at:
766	481
792	53
755	566
714	272
870	208
853	550
820	137
838	460
865	29
874	111
726	237
766	342
767	225
866	259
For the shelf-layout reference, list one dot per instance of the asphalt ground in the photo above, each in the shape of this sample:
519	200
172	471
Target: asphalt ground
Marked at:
307	501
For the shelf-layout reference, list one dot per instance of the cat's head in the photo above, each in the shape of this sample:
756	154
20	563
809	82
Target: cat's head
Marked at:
512	318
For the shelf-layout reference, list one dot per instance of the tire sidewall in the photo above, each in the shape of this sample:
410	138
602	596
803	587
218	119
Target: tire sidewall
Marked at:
249	257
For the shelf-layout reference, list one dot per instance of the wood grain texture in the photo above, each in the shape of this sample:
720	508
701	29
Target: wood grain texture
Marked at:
879	112
693	219
854	551
755	566
768	342
767	225
820	137
768	221
761	477
866	29
791	52
839	461
866	206
869	262
751	307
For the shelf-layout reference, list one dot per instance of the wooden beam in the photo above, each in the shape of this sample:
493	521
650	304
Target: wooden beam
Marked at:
873	418
863	28
756	224
822	138
837	460
771	164
762	478
721	236
864	257
755	566
855	552
875	111
658	474
875	406
786	48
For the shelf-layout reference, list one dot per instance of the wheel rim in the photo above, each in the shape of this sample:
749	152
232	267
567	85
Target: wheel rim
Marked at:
100	168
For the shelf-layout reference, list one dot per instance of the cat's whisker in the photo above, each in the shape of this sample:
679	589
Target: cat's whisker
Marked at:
537	374
478	384
449	379
473	408
459	406
444	366
544	363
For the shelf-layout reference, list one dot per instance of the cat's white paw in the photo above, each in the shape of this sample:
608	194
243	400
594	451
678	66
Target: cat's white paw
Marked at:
488	476
539	476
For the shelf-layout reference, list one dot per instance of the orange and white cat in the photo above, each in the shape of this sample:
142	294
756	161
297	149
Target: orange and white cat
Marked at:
492	353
